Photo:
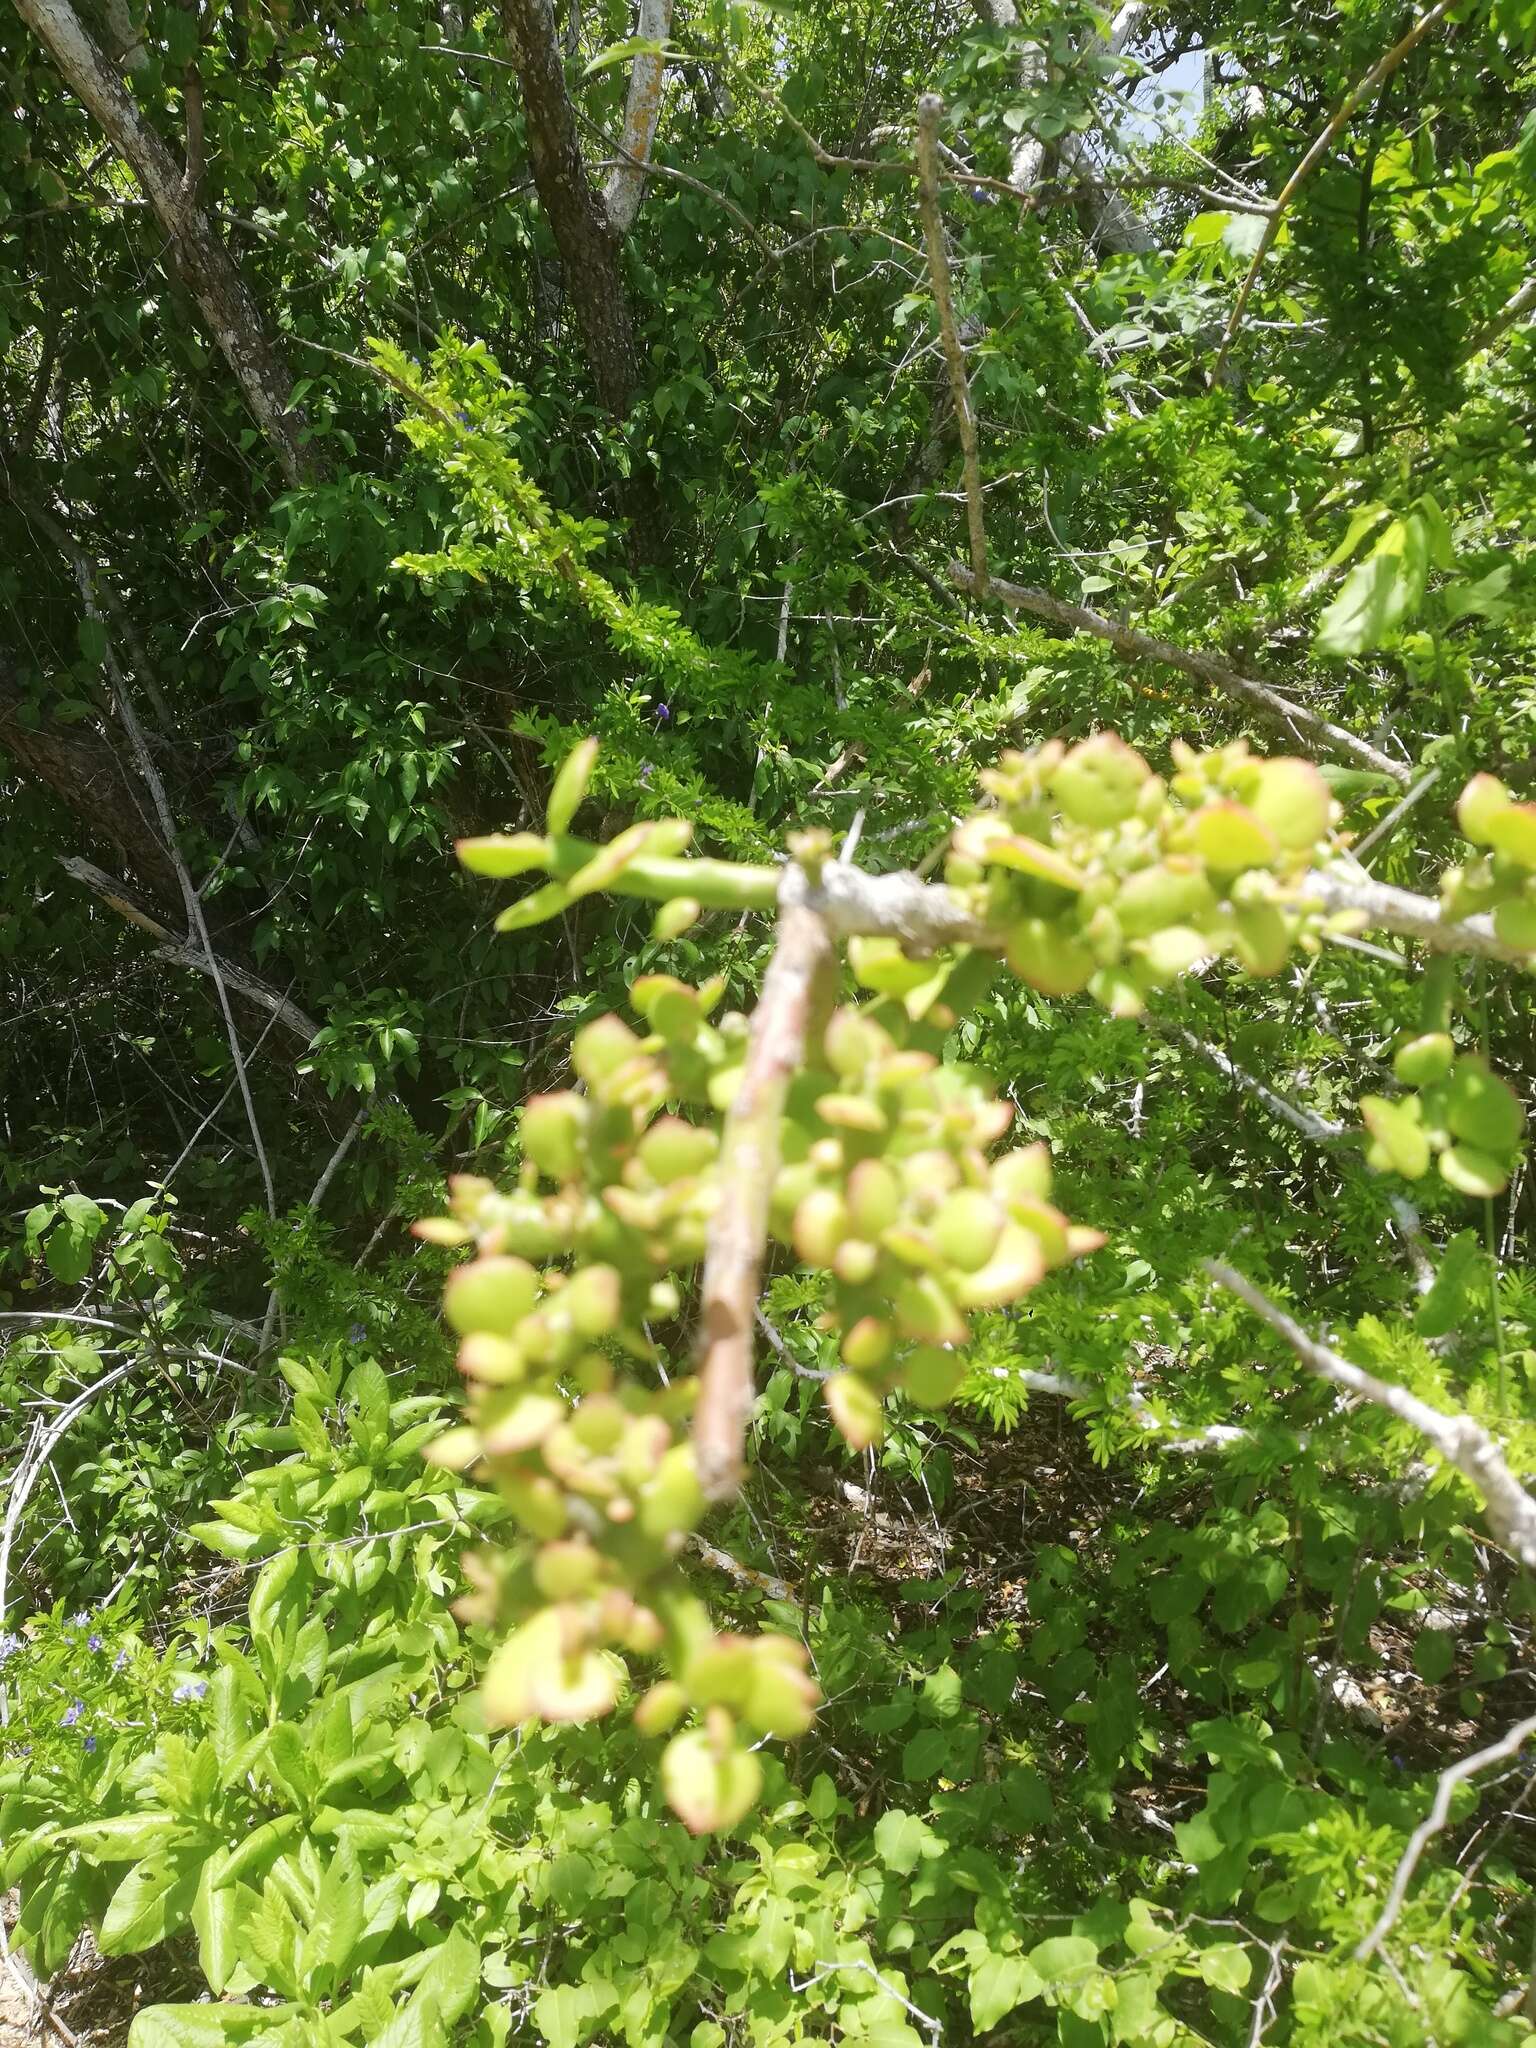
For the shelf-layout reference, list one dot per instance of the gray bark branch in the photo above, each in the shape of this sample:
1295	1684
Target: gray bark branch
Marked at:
205	265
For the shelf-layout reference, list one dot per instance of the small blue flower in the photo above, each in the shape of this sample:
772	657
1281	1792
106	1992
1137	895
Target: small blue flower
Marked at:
9	1645
646	772
93	1642
80	1620
120	1660
663	713
72	1714
357	1333
189	1689
90	1745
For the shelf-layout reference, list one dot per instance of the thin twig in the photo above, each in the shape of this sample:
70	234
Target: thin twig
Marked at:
1378	74
1398	812
1412	917
1434	1821
929	109
317	1193
1457	1438
744	1574
1319	1128
1513	309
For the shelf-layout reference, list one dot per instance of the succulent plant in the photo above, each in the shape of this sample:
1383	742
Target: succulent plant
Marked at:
1085	871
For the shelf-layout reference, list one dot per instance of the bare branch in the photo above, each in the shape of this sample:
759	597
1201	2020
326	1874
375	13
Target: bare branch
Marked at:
1457	1438
588	249
209	272
1320	1129
1412	917
333	1164
1133	645
1514	308
923	915
129	903
929	108
749	1160
744	1574
1439	1813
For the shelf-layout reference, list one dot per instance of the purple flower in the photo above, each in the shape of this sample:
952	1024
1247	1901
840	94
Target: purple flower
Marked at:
9	1645
120	1660
646	772
93	1642
189	1689
663	713
90	1745
72	1714
80	1620
357	1333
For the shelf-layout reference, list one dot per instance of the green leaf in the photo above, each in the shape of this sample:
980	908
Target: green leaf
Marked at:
1065	1958
927	1752
452	1978
203	2026
1226	1967
569	2013
570	787
1434	1653
124	1838
998	1984
1443	1307
214	1918
902	1840
259	1847
153	1900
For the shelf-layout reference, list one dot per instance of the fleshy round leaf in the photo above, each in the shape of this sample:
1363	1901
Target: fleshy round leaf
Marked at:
856	1409
1399	1143
1293	802
707	1790
535	909
501	854
1472	1172
1229	838
570	786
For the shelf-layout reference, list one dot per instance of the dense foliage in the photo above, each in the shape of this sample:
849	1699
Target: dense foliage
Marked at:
751	562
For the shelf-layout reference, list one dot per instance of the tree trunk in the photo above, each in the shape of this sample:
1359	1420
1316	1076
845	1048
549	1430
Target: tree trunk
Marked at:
204	264
93	782
588	250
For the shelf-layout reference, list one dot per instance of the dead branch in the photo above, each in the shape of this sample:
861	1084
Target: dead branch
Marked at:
138	909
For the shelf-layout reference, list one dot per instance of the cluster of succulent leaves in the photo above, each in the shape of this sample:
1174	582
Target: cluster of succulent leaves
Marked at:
1126	1747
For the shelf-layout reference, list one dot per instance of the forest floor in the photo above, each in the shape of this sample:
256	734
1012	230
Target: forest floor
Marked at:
91	2002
